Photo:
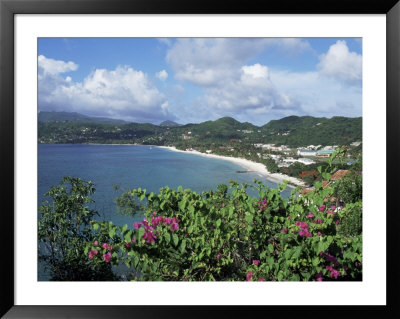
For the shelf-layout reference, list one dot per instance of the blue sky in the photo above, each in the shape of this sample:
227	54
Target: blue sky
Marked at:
190	80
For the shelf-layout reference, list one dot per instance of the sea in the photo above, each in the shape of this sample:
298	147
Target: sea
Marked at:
133	166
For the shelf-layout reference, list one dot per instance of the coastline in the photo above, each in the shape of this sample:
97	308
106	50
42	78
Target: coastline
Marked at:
248	165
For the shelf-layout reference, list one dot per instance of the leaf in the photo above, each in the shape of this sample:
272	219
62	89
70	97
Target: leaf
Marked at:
167	237
218	223
249	218
183	246
111	232
175	239
95	226
270	248
141	232
128	236
297	252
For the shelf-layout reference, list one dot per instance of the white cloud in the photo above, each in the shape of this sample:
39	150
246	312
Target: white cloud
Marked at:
255	71
207	62
318	95
162	75
341	64
120	93
50	66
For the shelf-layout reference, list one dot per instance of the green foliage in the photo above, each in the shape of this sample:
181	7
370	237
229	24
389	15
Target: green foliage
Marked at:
64	228
230	235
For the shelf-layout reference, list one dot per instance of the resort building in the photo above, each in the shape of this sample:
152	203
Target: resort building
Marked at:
305	161
303	152
324	153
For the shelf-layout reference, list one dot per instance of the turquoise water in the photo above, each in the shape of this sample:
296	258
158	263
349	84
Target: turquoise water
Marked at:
133	166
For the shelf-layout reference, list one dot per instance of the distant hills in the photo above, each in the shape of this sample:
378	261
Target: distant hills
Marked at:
75	118
169	124
293	131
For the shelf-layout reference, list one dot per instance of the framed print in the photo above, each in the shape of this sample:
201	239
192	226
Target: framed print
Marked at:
291	94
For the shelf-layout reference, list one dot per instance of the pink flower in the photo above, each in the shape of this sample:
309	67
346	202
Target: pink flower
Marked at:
149	237
218	256
249	275
133	240
260	279
319	233
223	204
333	207
289	217
318	276
154	213
337	222
334	272
107	257
127	245
310	215
319	221
256	262
303	225
95	243
304	233
330	212
321	208
137	225
175	220
92	253
284	230
105	245
174	226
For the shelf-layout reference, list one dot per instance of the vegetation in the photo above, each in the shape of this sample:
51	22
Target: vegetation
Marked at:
220	235
64	227
292	131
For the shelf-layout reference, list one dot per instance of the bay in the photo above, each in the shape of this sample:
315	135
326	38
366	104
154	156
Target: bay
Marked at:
133	166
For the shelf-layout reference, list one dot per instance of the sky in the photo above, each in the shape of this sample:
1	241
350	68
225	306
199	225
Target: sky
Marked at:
192	80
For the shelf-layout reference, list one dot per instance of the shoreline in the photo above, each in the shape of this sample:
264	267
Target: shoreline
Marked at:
248	165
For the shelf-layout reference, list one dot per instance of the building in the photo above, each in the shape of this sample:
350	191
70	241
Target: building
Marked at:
305	161
338	175
324	153
303	152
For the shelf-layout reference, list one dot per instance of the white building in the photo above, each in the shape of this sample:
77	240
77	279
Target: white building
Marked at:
303	152
305	161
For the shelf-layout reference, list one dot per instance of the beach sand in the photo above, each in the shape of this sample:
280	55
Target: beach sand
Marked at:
248	165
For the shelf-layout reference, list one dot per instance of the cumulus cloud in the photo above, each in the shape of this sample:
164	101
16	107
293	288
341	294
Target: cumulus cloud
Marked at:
53	67
234	87
207	62
341	64
162	75
318	95
230	85
120	93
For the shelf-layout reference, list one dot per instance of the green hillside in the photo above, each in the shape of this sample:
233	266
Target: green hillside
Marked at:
293	131
45	117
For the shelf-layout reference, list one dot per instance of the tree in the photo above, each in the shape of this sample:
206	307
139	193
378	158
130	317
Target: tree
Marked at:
63	228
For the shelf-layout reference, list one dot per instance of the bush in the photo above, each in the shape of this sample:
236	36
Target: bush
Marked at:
64	228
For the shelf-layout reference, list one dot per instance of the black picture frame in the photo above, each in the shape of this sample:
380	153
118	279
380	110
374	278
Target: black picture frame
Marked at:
8	8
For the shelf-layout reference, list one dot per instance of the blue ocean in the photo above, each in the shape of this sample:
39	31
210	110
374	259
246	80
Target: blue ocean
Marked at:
133	166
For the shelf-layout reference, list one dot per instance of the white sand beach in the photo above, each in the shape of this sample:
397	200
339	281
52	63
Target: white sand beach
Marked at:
248	165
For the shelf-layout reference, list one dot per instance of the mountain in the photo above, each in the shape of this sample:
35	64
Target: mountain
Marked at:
65	117
293	131
169	124
307	130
